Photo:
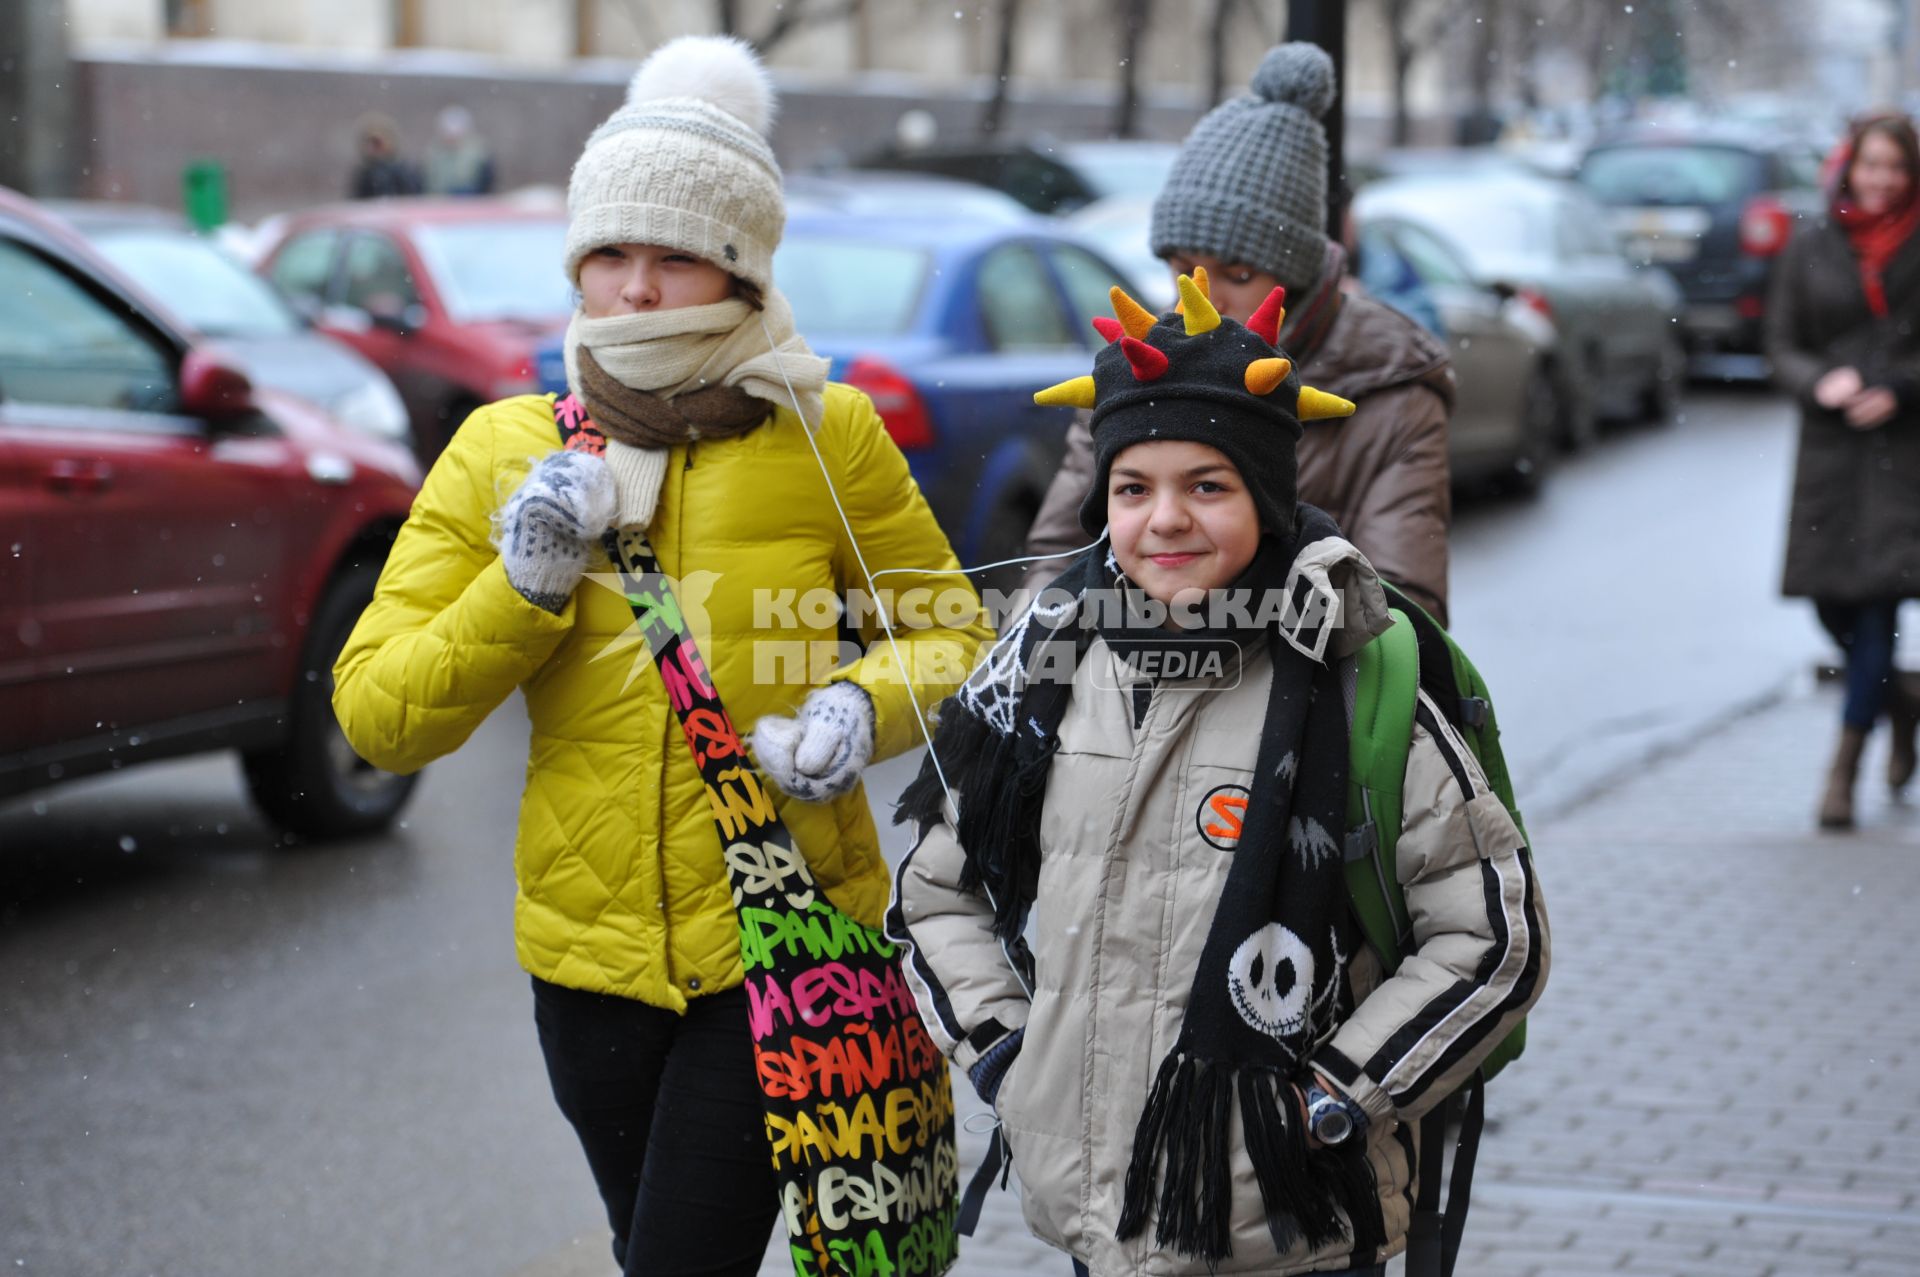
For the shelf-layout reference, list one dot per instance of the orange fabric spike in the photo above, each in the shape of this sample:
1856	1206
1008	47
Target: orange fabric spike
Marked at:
1199	313
1109	329
1265	322
1264	374
1076	393
1147	363
1135	318
1315	404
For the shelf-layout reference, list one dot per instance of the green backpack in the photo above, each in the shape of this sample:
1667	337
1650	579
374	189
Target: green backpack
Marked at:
1413	653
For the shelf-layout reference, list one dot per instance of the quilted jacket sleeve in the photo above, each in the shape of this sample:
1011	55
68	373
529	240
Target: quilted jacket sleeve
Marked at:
936	614
446	637
961	978
1480	939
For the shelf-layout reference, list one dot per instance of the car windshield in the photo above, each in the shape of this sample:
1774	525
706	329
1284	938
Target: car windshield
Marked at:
498	270
200	283
1487	223
1671	174
850	287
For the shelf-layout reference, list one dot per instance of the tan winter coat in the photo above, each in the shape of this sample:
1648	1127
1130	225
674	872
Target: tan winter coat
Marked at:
1382	474
1128	883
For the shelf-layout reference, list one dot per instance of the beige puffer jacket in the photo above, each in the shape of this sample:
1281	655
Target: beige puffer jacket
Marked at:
1128	882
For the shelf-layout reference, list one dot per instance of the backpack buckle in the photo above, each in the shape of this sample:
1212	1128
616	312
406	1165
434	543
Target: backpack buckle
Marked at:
1474	711
1361	842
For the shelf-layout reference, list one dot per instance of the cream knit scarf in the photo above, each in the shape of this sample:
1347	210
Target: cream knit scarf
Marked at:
672	352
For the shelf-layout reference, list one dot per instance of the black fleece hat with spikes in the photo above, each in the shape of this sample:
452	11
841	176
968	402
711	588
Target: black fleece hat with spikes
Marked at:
1195	375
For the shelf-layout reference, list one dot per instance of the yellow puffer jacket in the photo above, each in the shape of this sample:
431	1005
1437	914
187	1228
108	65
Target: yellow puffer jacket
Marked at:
621	885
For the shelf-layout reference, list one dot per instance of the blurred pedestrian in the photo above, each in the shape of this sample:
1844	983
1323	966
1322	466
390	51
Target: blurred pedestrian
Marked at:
458	161
1247	201
684	354
381	171
1843	335
1199	1058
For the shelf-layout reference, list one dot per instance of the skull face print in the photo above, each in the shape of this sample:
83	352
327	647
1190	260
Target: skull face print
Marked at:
1270	979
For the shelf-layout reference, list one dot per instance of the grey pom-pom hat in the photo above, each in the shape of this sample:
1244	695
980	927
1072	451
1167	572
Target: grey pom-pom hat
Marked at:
1250	182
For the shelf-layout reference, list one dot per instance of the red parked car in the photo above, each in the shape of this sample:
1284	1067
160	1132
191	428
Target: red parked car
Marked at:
182	554
451	298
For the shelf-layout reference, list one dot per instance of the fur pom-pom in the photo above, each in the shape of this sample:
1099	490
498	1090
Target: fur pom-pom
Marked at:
1299	73
719	69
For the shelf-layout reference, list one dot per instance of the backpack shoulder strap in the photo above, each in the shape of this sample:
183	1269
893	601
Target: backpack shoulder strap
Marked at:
1386	691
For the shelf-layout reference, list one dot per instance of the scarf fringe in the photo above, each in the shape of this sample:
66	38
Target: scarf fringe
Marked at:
1322	1196
999	792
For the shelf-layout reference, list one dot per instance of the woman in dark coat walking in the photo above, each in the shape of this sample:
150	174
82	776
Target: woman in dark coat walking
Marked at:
1843	334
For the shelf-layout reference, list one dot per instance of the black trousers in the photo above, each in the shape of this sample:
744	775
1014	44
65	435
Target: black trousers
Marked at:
668	1111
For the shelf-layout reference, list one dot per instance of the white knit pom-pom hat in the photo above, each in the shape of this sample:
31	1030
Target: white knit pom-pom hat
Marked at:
685	163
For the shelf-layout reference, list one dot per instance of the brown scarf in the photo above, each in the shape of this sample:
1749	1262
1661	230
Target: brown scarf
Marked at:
642	419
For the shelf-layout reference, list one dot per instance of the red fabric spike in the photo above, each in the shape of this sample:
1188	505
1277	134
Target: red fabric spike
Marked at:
1265	322
1148	364
1108	327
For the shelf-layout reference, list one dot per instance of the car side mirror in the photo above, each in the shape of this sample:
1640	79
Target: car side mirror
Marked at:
214	390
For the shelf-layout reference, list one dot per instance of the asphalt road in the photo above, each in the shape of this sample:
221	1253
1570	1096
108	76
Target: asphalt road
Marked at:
224	1057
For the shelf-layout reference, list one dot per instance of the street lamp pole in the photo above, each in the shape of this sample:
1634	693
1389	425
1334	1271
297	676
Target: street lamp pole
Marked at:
1324	22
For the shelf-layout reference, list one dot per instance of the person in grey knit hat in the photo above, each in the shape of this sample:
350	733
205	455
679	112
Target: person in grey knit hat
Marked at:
1249	187
1245	204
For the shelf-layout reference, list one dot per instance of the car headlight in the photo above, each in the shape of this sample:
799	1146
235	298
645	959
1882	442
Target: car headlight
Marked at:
374	407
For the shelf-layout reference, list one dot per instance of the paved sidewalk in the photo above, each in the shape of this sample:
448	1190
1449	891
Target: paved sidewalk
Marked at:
1724	1077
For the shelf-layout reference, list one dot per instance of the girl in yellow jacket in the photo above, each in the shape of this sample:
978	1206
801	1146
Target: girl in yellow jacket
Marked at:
713	407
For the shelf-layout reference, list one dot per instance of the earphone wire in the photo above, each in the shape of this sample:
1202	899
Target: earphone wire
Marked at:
886	622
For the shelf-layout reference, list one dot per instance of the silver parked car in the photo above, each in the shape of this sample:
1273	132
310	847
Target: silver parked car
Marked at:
216	296
1621	351
1507	408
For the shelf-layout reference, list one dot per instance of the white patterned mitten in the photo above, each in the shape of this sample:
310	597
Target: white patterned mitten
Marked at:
820	753
549	527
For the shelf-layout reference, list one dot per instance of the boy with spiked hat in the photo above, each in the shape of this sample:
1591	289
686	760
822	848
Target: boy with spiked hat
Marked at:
1198	1065
718	423
1246	201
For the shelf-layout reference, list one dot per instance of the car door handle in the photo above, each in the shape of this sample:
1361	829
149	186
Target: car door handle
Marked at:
71	475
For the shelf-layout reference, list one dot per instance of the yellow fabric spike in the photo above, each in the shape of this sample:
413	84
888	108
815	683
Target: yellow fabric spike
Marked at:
1199	313
1315	404
1199	282
1135	318
1265	374
1077	393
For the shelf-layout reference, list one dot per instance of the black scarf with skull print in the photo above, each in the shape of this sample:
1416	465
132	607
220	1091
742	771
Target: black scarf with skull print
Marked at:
1271	983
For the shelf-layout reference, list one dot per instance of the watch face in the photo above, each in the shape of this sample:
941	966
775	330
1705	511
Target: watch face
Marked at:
1331	1124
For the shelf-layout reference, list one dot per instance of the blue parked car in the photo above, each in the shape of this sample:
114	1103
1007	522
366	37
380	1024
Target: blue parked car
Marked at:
949	313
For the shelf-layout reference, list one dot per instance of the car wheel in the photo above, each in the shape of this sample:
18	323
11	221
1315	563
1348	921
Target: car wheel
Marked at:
1579	417
1661	403
314	785
1540	413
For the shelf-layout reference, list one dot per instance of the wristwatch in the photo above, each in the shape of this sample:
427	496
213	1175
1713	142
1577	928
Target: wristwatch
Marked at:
1333	1120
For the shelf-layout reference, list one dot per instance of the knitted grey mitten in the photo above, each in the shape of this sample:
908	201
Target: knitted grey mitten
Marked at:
820	753
547	531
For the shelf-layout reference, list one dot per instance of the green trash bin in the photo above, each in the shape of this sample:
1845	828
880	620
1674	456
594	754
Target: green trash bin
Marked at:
203	183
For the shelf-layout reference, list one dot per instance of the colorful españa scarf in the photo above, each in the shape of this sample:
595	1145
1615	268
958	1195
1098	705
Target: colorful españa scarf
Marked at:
1271	983
858	1103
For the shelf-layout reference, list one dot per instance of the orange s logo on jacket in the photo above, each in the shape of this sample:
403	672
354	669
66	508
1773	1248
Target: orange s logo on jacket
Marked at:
1222	814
